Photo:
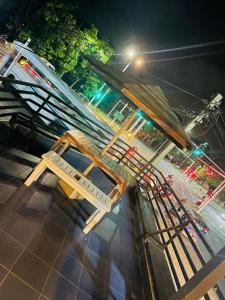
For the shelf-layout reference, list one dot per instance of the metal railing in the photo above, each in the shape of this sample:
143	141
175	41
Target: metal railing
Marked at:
49	115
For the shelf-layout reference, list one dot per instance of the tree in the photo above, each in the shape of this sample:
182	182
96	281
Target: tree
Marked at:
91	45
57	37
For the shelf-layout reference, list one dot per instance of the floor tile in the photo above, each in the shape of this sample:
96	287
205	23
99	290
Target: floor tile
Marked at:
91	284
52	231
32	270
112	294
6	192
98	245
9	250
19	229
68	267
3	272
44	248
81	295
58	288
15	289
75	249
117	280
59	217
95	263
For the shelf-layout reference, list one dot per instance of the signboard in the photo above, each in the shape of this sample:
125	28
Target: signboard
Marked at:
118	116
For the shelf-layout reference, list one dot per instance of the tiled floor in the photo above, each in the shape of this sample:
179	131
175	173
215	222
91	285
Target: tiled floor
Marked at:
45	255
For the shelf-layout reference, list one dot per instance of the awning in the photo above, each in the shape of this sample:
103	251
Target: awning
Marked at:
147	98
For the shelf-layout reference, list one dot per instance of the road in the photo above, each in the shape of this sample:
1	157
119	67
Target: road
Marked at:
211	214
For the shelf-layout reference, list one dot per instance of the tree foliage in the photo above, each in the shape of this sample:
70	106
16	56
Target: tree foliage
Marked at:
56	36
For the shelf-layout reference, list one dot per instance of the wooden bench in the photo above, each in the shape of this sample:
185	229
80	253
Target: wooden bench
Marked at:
103	161
77	182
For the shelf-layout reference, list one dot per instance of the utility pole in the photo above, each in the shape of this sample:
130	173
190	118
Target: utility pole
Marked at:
215	103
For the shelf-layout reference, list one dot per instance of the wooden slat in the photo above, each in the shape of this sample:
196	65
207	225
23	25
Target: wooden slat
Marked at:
82	185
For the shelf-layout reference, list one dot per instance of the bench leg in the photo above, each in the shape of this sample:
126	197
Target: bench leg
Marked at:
56	145
63	149
38	170
95	219
92	216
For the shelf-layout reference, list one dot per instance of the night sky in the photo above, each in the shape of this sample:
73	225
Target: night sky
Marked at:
154	24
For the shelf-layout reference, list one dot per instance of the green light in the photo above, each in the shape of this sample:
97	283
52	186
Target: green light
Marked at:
140	114
149	122
98	95
198	152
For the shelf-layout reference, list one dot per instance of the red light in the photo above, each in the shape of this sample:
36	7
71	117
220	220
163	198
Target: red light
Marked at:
210	194
131	151
34	73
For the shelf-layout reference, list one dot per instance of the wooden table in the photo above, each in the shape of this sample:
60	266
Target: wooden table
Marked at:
79	140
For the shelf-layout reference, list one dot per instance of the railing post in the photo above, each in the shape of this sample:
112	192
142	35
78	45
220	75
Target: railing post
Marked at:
41	106
204	280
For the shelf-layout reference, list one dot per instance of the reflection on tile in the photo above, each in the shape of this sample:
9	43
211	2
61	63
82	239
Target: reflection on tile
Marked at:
40	201
19	229
81	295
68	267
58	288
60	218
9	250
97	265
32	270
44	248
75	249
112	294
13	288
98	245
92	284
116	279
52	231
6	192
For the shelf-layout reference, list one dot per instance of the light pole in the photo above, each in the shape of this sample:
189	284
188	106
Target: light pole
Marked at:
93	98
125	106
131	54
114	108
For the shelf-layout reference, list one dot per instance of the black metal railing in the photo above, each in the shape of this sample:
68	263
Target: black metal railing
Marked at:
46	113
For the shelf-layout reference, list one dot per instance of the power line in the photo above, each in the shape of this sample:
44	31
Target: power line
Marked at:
217	138
175	86
184	57
206	131
208	44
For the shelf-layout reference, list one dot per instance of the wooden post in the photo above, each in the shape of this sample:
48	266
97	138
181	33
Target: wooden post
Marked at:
124	127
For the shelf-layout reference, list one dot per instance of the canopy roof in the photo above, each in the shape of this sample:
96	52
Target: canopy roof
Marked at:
147	98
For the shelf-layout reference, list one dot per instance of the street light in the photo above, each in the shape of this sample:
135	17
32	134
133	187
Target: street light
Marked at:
131	54
139	62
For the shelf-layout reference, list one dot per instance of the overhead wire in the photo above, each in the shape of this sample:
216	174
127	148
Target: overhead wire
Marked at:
184	56
175	86
208	44
217	138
